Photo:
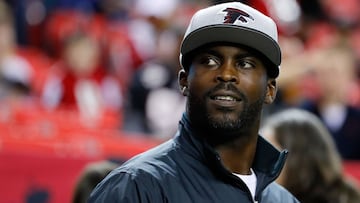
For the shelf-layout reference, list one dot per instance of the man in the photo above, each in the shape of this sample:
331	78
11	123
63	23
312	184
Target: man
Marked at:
230	59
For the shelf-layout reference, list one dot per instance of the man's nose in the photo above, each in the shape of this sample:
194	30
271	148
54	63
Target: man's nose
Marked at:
227	73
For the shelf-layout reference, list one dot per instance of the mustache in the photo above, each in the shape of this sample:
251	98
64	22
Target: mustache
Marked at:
228	87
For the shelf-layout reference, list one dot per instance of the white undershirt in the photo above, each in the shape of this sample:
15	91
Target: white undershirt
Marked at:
250	181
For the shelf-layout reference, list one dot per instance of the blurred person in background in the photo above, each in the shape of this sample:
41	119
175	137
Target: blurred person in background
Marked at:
155	103
89	177
16	73
313	171
79	81
333	70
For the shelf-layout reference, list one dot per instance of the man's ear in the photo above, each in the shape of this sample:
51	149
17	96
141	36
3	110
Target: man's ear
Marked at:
183	82
271	91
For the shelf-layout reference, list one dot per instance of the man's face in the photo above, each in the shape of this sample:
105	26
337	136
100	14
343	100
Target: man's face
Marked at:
227	87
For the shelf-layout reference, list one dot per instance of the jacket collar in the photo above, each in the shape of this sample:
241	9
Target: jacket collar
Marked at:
267	164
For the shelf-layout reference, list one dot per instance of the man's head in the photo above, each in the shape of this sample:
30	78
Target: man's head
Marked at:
233	23
227	81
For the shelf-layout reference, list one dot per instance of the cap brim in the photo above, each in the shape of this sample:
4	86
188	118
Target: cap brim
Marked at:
228	33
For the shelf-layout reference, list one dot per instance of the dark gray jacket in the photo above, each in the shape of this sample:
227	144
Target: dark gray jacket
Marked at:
185	169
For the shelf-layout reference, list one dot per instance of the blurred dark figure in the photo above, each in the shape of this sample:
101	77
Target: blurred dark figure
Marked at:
90	177
313	171
38	195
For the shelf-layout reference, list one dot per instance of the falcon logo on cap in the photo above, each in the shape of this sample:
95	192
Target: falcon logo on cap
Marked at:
234	14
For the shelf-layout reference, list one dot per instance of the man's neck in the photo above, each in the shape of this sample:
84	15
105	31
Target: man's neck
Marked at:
238	155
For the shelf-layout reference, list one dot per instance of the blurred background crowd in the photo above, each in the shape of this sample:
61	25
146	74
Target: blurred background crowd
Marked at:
67	65
115	62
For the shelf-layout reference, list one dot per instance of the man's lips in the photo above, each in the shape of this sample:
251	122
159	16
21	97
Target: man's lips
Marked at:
229	96
225	98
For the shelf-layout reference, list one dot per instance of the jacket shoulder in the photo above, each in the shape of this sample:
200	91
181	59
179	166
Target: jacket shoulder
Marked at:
137	180
120	186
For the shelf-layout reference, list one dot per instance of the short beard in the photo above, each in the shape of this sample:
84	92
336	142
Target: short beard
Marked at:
248	117
222	130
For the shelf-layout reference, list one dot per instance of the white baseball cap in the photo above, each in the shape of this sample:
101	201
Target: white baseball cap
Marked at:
237	23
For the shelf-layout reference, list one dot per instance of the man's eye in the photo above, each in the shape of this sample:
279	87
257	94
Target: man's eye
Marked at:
208	61
246	64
